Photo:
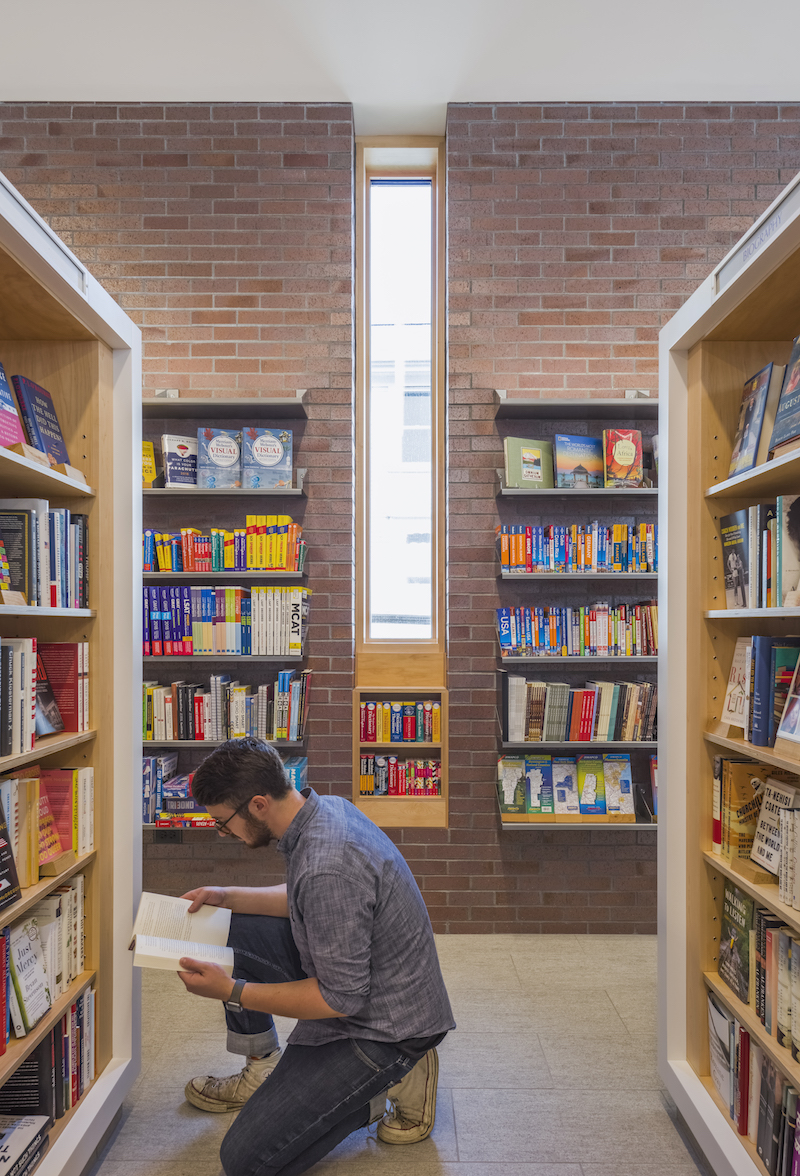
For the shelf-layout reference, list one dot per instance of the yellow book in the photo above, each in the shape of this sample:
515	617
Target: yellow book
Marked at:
228	550
385	732
262	542
282	540
252	525
436	723
271	524
148	465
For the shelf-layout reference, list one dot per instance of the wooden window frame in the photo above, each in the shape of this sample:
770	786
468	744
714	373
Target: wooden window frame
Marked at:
399	662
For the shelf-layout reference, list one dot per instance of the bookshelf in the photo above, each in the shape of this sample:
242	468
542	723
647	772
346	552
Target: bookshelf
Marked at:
741	317
543	418
403	811
170	508
60	328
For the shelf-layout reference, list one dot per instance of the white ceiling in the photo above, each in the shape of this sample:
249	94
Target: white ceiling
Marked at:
399	64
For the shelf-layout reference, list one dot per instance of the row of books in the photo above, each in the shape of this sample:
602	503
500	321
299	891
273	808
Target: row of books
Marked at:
388	775
761	696
597	630
222	459
48	822
769	415
761	554
227	710
47	553
737	795
760	1101
560	788
600	712
44	688
167	799
594	547
401	722
204	621
265	543
28	417
575	462
25	1138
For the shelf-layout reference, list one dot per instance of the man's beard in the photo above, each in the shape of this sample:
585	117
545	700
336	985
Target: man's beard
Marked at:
258	831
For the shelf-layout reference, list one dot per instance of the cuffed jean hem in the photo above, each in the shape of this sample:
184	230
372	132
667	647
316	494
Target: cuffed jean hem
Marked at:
253	1045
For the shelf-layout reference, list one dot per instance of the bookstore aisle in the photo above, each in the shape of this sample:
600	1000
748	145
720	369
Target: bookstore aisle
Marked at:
551	1072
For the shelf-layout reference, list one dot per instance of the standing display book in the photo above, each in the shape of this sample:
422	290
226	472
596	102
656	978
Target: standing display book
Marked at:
529	464
10	428
40	420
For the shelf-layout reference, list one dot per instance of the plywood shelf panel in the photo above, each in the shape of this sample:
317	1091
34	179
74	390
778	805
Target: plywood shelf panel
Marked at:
765	481
18	1049
765	894
22	478
555	659
202	492
765	755
46	746
37	613
404	812
579	826
32	894
289	743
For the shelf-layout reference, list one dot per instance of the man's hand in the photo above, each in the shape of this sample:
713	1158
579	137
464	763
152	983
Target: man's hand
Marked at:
206	979
205	896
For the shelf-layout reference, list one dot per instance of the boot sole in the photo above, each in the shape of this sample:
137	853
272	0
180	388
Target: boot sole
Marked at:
194	1096
416	1134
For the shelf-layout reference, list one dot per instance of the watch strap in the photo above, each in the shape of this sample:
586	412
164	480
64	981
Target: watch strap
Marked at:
234	1001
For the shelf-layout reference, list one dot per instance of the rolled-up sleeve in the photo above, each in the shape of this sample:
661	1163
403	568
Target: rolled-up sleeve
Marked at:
338	916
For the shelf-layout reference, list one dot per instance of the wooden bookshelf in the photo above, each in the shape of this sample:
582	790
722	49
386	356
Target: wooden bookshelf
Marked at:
741	317
402	811
61	329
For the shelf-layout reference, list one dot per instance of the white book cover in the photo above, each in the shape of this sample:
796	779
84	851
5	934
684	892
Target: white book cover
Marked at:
28	972
734	711
20	1137
766	849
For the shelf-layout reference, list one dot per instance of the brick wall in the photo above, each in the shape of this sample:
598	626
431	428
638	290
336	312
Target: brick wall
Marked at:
574	231
225	232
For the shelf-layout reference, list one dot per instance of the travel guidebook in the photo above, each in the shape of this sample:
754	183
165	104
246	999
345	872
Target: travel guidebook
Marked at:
579	462
756	414
529	464
622	457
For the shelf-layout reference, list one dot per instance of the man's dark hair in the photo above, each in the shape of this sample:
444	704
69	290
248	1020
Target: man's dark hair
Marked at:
237	770
793	523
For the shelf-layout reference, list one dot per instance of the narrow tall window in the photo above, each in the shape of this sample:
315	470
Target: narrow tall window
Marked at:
400	508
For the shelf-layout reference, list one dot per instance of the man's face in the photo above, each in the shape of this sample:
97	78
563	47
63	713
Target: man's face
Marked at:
245	826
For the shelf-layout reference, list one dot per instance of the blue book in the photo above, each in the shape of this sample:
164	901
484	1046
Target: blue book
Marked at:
504	627
219	459
40	420
266	459
787	417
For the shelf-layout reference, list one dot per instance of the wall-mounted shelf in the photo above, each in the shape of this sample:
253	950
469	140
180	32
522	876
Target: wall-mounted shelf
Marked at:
595	408
577	660
633	745
234	408
278	657
268	574
294	743
578	826
605	576
167	492
601	493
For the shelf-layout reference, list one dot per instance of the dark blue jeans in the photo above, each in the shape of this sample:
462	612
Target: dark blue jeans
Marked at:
317	1095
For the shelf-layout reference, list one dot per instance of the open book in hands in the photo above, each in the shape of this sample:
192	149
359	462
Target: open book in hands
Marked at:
165	933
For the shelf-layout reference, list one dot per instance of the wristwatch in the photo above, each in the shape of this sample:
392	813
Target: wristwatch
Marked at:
234	1002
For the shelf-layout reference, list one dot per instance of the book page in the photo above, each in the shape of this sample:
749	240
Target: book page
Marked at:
169	918
151	952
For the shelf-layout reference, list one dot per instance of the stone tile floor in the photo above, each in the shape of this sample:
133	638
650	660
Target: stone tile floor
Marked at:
551	1072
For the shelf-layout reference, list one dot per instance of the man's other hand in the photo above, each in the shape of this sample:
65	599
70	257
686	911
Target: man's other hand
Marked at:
206	979
205	896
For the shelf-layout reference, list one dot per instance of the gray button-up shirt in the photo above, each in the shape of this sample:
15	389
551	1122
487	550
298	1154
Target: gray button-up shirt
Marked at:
361	928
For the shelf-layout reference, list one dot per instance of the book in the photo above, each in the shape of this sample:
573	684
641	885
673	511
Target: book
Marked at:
618	782
734	949
28	972
149	470
578	462
11	432
21	1137
763	386
40	420
68	682
179	455
788	731
787	417
591	786
219	459
18	532
511	786
528	464
788	550
48	716
539	787
31	1088
734	531
266	458
50	846
164	932
720	1041
622	457
767	841
9	880
734	708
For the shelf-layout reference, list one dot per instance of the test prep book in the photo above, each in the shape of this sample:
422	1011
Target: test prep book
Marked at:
165	932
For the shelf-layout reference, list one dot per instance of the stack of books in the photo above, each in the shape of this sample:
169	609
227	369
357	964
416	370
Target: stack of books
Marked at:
266	543
387	775
227	710
595	547
601	712
401	722
598	630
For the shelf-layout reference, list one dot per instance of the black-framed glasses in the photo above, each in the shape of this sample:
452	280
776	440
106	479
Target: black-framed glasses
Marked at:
222	826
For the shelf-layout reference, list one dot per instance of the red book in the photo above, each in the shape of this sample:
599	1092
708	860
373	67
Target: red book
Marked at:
529	549
73	1021
744	1079
371	735
3	991
393	788
61	662
363	722
577	710
199	726
587	715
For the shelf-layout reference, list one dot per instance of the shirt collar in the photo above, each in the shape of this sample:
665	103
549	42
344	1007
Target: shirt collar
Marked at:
299	822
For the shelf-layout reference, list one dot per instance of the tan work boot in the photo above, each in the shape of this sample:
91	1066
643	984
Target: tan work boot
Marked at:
413	1104
230	1094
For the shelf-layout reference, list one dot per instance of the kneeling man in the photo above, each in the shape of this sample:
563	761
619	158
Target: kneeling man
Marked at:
345	947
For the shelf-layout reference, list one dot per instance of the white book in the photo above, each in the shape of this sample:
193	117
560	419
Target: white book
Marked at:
756	1064
92	1032
77	884
164	932
47	913
28	974
67	897
734	709
795	900
766	849
21	1136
